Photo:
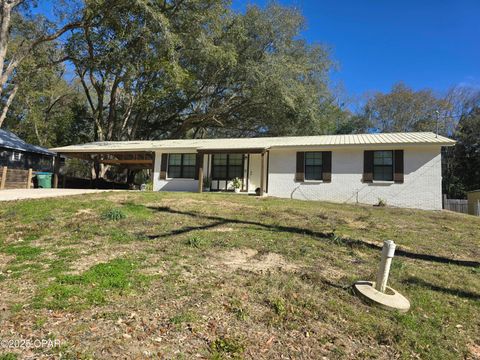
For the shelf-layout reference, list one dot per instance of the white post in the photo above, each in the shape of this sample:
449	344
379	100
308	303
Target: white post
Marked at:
388	251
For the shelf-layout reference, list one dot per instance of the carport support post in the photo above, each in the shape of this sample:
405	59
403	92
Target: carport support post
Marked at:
56	171
262	174
200	174
388	251
4	178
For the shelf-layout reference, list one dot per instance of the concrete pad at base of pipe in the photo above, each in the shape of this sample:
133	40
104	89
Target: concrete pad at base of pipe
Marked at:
390	300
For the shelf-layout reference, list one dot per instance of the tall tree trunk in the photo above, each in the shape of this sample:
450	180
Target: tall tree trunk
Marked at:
6	17
3	115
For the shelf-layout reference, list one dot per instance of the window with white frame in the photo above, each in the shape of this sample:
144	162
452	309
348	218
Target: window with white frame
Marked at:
383	165
16	156
313	165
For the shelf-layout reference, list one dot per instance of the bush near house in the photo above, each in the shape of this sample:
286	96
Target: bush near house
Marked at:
223	276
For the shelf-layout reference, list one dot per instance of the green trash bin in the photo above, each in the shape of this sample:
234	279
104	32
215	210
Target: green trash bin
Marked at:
44	180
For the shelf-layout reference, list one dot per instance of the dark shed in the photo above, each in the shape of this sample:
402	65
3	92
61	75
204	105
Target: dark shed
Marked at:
18	154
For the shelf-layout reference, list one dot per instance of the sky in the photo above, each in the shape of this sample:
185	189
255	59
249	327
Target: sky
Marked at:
376	43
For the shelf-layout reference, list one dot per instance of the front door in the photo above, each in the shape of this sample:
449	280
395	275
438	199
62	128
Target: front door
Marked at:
254	172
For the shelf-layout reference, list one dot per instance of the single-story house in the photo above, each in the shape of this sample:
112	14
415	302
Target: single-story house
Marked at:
18	154
402	169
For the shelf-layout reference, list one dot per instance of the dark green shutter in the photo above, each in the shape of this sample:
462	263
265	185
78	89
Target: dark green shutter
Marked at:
300	173
163	167
327	166
368	166
399	167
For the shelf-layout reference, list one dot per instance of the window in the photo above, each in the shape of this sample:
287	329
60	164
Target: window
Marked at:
227	166
16	156
235	166
313	165
181	166
383	165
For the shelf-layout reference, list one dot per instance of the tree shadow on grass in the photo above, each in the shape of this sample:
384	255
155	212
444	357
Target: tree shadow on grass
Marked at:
427	285
315	234
185	230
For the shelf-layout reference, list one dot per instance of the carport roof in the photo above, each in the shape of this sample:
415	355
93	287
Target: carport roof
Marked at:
413	138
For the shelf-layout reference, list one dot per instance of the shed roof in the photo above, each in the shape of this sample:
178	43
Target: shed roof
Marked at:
11	141
417	138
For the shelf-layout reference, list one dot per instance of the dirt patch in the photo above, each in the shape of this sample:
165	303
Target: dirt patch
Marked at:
14	292
84	212
232	205
356	224
330	272
4	260
87	261
222	229
14	237
153	266
218	204
252	260
182	201
474	350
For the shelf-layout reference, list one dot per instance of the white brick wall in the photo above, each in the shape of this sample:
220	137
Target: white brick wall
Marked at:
421	189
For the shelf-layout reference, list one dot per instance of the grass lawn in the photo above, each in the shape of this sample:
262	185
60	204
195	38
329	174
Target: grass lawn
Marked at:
176	275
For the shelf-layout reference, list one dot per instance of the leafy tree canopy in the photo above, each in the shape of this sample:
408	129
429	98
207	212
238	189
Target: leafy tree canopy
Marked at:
467	150
404	109
189	69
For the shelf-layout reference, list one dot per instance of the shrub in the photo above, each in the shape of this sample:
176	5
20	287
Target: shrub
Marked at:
224	345
149	185
195	241
236	183
278	306
381	202
113	215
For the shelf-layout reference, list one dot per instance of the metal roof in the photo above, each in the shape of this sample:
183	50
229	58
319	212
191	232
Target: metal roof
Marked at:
11	141
412	138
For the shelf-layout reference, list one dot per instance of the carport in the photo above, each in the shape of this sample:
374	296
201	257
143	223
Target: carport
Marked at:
127	155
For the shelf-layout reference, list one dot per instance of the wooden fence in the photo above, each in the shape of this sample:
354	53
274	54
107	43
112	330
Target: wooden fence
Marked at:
457	205
476	209
15	178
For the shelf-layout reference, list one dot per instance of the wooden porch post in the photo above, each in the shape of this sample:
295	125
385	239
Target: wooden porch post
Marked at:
262	174
248	170
152	175
200	173
4	178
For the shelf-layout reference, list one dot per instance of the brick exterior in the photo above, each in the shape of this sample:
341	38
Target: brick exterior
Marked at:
422	187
